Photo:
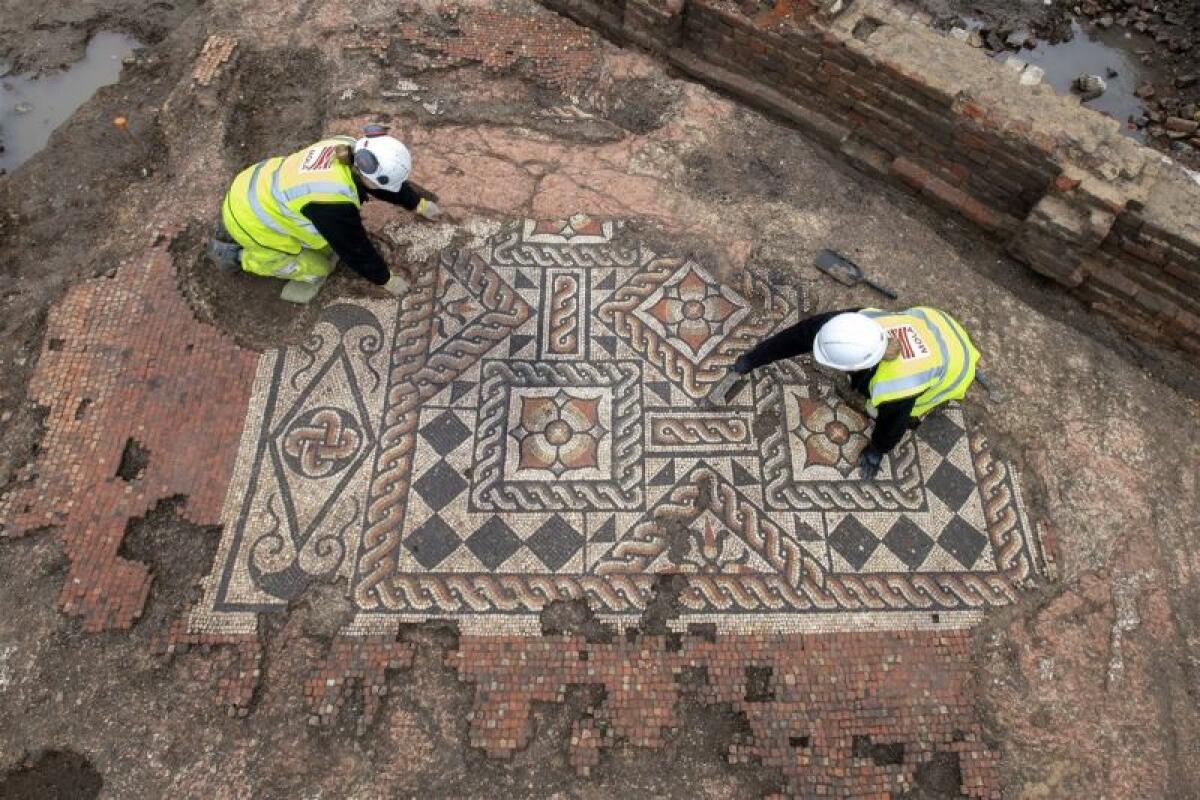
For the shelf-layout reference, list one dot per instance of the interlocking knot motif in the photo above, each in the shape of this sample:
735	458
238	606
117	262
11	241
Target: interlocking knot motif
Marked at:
322	442
541	431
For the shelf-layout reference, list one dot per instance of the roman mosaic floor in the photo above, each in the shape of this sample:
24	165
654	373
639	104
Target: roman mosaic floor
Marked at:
531	424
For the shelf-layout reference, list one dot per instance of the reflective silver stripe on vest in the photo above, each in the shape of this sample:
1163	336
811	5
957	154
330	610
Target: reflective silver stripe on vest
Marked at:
917	380
962	374
906	383
281	201
937	335
259	211
320	187
287	269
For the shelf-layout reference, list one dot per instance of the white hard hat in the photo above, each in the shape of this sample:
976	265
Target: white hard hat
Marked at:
382	160
850	342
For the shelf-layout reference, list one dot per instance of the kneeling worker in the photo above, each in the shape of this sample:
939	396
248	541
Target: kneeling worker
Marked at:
906	363
287	217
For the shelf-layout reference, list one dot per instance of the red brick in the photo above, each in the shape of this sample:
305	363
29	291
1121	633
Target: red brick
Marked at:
1182	273
910	173
562	54
989	219
1065	184
1188	321
829	71
974	111
1158	306
1151	253
164	353
958	200
971	141
1190	344
910	687
1115	281
960	173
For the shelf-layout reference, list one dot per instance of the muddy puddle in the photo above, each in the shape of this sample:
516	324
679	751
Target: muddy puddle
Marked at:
1113	54
32	106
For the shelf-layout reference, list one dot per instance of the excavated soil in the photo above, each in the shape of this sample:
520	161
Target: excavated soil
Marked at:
53	775
46	36
111	712
53	227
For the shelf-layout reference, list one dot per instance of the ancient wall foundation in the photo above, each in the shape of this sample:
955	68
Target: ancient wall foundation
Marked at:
1058	184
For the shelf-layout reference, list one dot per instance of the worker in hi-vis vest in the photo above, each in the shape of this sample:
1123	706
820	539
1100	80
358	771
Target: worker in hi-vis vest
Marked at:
906	363
287	217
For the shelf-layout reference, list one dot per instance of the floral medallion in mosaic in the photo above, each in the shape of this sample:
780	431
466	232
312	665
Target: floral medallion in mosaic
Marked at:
530	424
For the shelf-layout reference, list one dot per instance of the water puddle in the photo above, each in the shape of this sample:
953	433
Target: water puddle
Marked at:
1112	54
31	107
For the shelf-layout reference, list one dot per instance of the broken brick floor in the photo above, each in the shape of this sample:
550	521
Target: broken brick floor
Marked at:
491	536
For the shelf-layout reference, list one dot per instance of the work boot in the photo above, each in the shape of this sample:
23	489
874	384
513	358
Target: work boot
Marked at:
301	292
227	256
995	394
722	389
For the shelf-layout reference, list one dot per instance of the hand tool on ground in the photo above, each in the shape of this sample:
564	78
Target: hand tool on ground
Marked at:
847	273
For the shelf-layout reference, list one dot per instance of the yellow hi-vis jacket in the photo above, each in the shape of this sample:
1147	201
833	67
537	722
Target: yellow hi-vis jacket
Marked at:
936	362
264	203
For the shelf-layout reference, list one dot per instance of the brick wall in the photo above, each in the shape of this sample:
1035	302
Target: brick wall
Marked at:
1144	272
1057	183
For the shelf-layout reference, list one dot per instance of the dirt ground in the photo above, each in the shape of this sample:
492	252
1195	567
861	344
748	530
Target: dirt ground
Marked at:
106	694
48	36
1087	687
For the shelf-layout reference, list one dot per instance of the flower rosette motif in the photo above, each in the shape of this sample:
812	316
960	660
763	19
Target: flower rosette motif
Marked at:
560	433
832	435
692	310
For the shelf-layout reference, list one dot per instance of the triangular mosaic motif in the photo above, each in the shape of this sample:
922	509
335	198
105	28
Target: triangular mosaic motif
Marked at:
532	424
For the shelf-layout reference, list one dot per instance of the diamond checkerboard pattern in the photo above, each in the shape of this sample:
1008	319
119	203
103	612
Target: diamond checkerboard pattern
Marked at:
531	424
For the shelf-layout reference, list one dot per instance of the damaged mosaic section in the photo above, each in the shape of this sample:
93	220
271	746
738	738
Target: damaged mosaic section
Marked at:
529	425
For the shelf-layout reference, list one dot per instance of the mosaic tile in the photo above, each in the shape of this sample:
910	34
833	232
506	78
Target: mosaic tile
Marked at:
531	424
125	361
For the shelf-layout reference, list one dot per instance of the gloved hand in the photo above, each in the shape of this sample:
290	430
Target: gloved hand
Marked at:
397	285
429	209
868	463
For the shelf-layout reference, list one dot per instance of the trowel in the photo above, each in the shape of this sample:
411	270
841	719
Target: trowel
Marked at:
847	273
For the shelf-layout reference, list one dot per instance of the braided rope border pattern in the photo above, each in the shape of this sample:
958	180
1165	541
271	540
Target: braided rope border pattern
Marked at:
903	493
799	583
696	380
415	378
799	586
490	491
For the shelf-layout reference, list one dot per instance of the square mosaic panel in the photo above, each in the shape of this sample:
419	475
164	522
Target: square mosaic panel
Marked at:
530	424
